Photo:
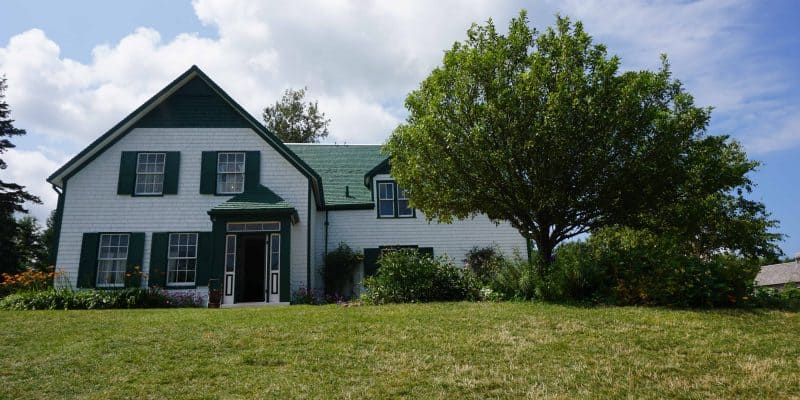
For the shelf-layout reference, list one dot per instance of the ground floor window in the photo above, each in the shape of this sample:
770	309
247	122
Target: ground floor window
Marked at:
182	259
112	259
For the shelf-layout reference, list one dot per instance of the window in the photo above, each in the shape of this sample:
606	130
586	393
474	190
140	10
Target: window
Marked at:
275	250
253	226
402	204
150	173
230	173
182	259
112	259
386	199
393	201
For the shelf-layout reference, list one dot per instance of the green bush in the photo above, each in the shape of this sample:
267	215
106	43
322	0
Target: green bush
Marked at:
787	298
514	279
625	266
64	299
484	262
338	271
407	276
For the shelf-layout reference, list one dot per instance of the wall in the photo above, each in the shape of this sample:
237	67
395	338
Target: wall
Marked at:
92	204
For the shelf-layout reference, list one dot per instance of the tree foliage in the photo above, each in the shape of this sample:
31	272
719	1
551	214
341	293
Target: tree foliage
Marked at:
294	120
32	244
544	131
12	195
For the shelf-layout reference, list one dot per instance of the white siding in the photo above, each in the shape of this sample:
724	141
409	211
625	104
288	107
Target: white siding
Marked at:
363	229
92	204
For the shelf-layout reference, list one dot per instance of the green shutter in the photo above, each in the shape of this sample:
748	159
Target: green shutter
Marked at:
426	251
204	257
371	261
87	268
127	173
157	276
208	173
252	170
171	168
133	269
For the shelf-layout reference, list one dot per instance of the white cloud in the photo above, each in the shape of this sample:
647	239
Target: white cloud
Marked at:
360	58
28	168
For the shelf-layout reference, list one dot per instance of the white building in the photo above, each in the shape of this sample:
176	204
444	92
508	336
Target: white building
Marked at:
191	190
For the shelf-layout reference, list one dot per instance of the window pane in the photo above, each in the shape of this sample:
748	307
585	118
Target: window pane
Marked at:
403	210
387	208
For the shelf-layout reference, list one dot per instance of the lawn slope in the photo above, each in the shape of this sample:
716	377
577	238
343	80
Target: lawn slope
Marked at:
456	350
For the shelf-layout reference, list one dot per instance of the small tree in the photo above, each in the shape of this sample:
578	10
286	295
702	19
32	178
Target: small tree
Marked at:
33	251
295	121
340	264
12	195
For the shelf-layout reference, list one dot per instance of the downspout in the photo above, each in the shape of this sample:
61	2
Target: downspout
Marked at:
326	232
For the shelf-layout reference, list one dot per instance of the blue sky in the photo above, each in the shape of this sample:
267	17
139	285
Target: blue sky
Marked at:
76	68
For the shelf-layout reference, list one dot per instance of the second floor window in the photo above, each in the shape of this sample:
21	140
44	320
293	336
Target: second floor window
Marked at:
393	201
230	173
150	173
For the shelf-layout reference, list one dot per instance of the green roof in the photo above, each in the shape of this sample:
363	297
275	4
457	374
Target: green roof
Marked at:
259	199
342	166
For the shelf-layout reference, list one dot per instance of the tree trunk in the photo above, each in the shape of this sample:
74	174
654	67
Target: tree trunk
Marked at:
545	249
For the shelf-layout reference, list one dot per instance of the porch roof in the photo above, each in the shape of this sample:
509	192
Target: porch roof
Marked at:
254	201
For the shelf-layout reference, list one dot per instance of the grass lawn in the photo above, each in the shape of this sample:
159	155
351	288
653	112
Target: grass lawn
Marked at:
447	350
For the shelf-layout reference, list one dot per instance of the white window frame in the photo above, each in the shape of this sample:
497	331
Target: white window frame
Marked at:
142	174
390	199
120	259
220	187
404	197
173	261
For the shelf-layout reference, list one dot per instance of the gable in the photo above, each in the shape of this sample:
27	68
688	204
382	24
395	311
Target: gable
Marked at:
194	105
191	100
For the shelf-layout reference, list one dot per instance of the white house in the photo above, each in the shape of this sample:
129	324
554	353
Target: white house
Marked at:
190	189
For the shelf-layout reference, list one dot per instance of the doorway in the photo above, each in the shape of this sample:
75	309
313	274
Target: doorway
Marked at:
251	272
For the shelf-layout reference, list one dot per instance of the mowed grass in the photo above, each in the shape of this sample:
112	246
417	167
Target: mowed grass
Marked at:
446	350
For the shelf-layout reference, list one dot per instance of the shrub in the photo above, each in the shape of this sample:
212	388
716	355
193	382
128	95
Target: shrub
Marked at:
625	266
484	262
64	299
514	279
338	271
407	276
787	298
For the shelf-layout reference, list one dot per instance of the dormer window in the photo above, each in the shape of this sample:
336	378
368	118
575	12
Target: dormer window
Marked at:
392	201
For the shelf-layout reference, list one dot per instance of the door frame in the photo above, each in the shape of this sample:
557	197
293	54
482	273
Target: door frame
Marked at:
240	255
220	234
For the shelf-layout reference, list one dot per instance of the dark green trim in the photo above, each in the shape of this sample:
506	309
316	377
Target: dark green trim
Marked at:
252	170
127	173
339	207
308	238
208	172
137	114
395	191
172	167
219	223
57	218
87	266
204	253
135	259
159	247
383	168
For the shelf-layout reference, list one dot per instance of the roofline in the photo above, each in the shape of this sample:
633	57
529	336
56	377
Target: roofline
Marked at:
334	144
374	171
121	128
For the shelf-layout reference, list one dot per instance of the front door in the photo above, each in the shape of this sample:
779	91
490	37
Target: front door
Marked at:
251	268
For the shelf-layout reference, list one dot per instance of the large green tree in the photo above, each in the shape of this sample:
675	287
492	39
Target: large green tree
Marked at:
296	121
12	195
31	244
544	131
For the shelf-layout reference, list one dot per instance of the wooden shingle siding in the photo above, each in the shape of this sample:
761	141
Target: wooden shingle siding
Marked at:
91	203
